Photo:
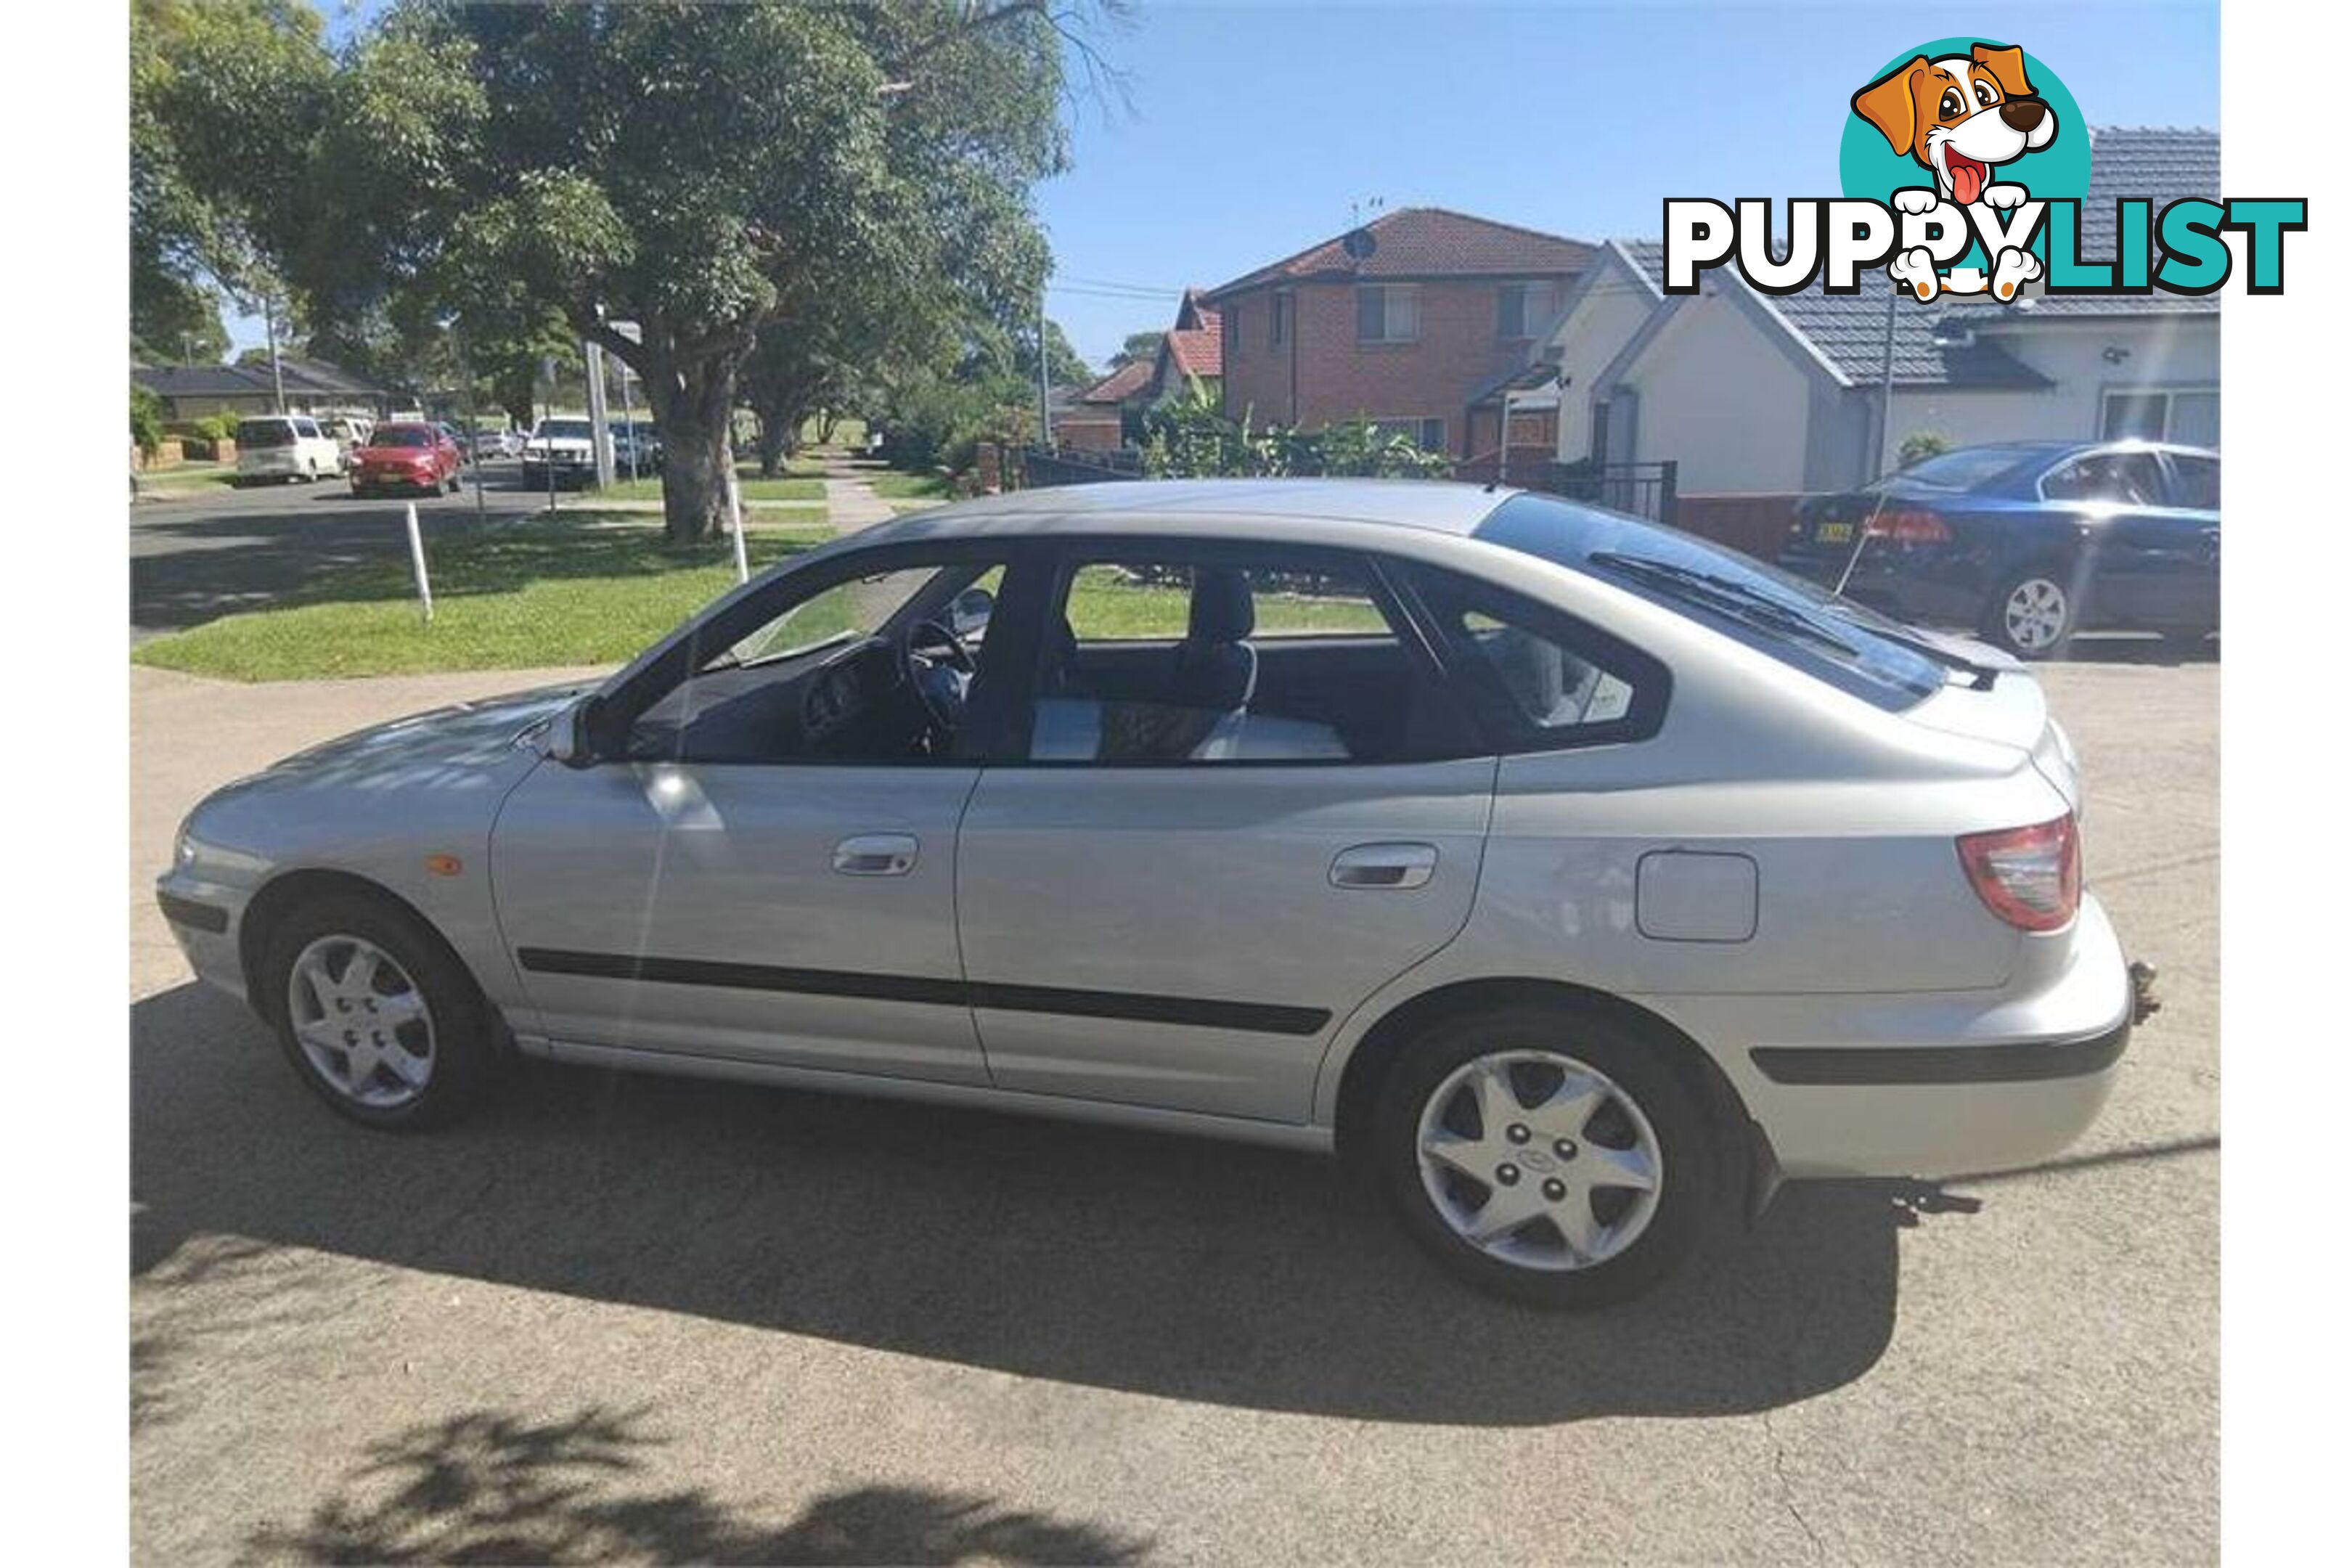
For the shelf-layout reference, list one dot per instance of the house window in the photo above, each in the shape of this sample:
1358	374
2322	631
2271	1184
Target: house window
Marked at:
1522	309
1428	433
2191	415
1277	322
1387	313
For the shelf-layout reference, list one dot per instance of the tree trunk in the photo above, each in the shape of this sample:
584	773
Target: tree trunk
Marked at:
776	443
692	405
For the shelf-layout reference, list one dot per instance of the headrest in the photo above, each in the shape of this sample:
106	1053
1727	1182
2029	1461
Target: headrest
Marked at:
1222	607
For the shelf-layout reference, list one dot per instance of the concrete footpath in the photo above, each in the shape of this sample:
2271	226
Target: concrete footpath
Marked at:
636	1320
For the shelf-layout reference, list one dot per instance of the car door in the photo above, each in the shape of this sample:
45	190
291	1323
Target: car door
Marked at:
1241	805
2144	552
2195	491
737	882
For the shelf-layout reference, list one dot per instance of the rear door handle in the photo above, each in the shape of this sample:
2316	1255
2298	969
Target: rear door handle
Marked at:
1384	865
876	855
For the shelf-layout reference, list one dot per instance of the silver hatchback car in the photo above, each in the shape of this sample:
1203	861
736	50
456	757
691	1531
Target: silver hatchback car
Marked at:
1575	878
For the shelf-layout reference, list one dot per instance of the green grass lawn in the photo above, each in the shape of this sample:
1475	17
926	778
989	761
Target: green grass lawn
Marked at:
584	589
802	483
1106	603
896	486
189	478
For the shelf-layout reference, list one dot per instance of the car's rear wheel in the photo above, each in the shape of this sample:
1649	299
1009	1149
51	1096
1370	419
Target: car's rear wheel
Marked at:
376	1014
2033	613
1546	1154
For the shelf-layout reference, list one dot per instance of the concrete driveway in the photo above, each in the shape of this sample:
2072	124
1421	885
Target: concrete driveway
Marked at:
638	1319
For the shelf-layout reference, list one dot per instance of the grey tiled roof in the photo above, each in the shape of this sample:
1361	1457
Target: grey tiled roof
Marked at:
1850	330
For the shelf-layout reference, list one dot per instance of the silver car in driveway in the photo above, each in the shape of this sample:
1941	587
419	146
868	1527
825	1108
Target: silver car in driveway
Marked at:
1576	879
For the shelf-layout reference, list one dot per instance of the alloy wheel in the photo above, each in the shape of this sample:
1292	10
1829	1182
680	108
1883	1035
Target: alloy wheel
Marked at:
362	1021
2034	615
1539	1161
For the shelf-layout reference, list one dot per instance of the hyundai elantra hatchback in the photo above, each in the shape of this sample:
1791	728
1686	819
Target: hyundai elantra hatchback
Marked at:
1577	879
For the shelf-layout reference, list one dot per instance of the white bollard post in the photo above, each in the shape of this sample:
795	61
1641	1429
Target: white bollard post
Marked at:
416	559
735	513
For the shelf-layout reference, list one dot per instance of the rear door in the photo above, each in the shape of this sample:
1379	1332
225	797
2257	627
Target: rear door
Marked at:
1228	825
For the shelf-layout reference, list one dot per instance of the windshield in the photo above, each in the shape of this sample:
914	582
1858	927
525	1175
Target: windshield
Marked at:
562	430
402	435
1801	625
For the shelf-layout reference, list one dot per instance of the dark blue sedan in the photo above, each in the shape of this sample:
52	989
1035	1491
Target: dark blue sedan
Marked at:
2028	542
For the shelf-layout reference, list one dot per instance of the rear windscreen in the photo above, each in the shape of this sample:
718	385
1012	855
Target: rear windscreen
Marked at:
265	433
1801	625
411	436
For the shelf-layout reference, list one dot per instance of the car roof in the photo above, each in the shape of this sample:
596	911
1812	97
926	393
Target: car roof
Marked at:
1430	505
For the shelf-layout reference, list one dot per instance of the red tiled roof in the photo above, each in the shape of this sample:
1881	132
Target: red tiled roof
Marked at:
1119	384
1426	242
1201	351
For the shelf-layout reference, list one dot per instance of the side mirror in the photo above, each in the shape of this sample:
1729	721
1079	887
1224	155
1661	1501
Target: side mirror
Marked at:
568	734
970	610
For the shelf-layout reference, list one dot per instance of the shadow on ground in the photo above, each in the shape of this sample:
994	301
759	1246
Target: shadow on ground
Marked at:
487	1487
1174	1267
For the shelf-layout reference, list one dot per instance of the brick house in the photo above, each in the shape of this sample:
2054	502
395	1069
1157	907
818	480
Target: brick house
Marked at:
1108	414
1414	322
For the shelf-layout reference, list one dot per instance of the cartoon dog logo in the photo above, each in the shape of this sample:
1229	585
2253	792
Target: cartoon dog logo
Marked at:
1961	117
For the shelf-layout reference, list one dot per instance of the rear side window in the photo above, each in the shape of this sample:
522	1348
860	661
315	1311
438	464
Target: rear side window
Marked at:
306	427
1540	680
2123	478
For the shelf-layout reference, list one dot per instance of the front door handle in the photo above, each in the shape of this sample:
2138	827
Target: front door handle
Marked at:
1384	865
876	855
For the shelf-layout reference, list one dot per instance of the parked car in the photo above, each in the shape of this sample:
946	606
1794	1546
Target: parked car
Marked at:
563	444
2029	542
1578	878
411	457
284	446
350	433
636	438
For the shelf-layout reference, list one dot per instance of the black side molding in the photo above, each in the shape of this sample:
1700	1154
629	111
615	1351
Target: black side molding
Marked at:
192	915
2030	1062
1252	1017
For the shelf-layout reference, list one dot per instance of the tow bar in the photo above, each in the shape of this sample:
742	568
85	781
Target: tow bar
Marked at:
2145	1004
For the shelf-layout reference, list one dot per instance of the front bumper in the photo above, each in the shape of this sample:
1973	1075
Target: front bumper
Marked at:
1930	1084
203	917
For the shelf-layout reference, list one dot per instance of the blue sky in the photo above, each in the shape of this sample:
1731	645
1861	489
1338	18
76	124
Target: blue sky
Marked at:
1256	129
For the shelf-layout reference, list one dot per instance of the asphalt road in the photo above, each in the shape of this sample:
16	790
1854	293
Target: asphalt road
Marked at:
198	558
632	1319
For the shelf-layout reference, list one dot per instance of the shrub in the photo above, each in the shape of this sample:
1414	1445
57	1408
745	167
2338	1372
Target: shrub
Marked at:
146	419
1919	445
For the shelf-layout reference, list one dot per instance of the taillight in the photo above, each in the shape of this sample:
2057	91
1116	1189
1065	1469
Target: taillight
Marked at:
1911	528
2029	877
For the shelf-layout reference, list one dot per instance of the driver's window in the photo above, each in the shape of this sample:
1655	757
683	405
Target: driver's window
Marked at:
874	668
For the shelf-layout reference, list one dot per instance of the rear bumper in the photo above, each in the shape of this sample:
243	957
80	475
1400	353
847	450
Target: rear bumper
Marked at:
1928	1084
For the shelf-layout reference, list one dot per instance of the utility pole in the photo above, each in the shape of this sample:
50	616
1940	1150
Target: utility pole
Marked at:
270	326
1045	398
1885	383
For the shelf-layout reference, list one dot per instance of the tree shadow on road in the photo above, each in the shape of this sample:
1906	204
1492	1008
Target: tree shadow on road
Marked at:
1174	1267
492	1487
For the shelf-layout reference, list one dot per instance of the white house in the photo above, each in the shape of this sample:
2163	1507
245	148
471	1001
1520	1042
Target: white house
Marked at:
1752	393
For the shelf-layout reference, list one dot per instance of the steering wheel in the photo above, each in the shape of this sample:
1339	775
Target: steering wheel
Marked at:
924	638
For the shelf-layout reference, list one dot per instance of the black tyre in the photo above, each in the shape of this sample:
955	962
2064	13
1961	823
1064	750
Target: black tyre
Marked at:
1546	1155
376	1013
2034	610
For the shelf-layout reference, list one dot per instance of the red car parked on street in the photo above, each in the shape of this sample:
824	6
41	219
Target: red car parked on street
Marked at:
405	456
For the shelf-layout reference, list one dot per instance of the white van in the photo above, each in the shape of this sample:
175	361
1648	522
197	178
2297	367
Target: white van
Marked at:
285	447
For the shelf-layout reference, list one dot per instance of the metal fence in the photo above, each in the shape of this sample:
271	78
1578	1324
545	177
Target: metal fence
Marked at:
1042	466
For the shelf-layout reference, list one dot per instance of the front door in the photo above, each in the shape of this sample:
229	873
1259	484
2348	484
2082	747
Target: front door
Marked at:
1241	810
764	868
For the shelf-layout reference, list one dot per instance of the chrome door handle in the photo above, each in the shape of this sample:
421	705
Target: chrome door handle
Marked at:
1384	865
876	855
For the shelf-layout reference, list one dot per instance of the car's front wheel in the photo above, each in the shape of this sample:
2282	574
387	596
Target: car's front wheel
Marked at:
2033	613
1546	1154
376	1015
